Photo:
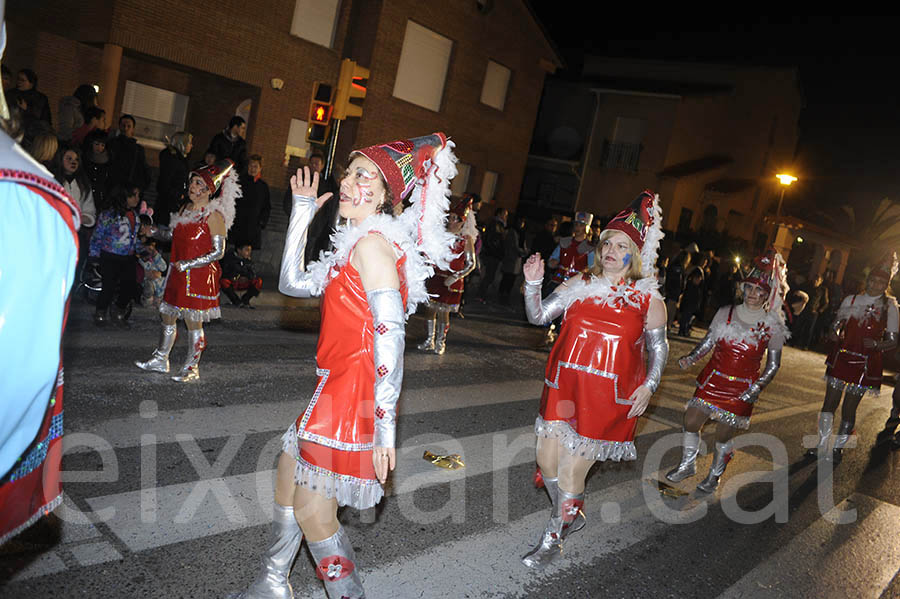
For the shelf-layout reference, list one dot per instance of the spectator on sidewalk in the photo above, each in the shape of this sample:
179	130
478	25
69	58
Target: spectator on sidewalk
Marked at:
691	300
128	163
492	250
72	109
95	159
230	143
546	240
94	120
238	275
68	170
253	208
34	105
173	175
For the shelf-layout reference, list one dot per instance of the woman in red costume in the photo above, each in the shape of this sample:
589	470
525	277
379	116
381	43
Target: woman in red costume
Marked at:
445	288
341	448
864	327
730	384
596	384
197	232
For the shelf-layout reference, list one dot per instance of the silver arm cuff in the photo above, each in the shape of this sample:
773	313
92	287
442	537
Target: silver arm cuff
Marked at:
541	312
389	321
161	232
773	363
658	350
293	280
470	264
700	350
218	250
888	343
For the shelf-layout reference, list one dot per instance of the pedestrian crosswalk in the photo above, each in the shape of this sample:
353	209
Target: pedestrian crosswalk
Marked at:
160	477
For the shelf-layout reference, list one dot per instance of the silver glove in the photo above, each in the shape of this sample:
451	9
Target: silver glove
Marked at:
700	350
541	312
773	362
888	343
293	280
389	322
658	350
218	250
467	268
161	232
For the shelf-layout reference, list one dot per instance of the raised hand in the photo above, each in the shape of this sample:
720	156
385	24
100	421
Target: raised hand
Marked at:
534	268
304	184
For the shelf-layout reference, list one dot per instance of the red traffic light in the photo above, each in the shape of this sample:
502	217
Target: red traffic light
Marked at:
320	113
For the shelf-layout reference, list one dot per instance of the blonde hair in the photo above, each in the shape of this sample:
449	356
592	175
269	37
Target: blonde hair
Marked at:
635	268
44	147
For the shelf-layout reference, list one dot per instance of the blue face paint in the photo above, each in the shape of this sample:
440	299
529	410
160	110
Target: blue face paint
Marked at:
626	260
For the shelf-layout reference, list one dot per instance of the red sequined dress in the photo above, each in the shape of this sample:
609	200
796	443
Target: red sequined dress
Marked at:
734	365
850	363
332	440
446	298
596	364
195	291
574	258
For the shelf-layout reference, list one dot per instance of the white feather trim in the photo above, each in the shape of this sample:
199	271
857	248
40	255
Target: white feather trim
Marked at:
739	331
223	204
650	251
470	227
601	291
865	306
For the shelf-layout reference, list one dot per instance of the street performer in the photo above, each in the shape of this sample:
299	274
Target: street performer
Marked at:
730	384
445	287
864	327
340	450
573	256
596	384
197	232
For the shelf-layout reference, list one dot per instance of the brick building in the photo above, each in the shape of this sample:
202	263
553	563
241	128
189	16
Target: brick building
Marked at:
192	65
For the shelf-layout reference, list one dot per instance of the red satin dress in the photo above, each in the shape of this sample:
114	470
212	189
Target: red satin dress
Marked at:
596	364
848	360
335	432
441	296
573	259
196	288
734	366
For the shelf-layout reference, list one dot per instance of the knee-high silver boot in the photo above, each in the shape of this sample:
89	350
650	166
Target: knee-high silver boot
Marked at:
843	435
336	566
721	457
428	344
826	420
565	514
159	361
273	582
191	369
440	338
688	465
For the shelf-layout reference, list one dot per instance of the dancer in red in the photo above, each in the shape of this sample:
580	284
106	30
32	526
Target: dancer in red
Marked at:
340	450
197	232
596	385
730	384
445	288
864	327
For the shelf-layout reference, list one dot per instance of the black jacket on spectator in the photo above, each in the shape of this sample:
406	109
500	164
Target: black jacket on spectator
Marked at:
234	267
128	163
170	186
493	240
251	213
36	116
544	243
224	147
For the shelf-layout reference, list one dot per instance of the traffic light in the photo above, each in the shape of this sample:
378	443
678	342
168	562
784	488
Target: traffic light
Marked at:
320	109
351	85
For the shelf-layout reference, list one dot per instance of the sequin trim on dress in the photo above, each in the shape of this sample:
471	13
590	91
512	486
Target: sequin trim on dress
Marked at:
554	384
189	313
840	385
38	453
585	447
719	414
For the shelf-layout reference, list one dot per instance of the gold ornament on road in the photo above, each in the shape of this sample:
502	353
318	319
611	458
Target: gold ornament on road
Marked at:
450	462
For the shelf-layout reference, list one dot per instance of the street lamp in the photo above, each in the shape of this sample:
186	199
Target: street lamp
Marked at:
785	181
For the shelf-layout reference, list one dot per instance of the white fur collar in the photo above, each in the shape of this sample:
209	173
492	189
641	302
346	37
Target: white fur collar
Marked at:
865	306
223	204
739	331
601	291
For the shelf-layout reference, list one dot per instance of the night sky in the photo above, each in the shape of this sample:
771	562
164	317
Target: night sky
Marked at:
849	148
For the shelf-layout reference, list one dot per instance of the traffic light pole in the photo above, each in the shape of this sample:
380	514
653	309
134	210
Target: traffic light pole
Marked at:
335	131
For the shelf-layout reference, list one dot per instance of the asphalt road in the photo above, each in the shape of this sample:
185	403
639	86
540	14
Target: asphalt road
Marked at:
169	487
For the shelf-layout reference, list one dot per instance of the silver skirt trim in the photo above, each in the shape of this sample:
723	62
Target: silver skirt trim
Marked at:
719	414
584	447
189	313
840	385
442	307
359	493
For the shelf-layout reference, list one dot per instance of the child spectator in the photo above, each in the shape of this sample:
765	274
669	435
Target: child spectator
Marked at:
114	243
238	275
154	266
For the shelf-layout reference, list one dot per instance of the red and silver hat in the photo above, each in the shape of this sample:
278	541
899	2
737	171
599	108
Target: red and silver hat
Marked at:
642	222
769	271
214	174
461	207
405	161
886	266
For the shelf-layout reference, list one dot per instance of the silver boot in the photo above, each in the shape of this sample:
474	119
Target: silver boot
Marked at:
159	361
552	487
273	582
722	456
191	369
840	439
564	520
688	465
336	566
440	340
826	420
428	344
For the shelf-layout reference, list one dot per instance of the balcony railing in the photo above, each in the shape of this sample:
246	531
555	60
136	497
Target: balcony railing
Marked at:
623	156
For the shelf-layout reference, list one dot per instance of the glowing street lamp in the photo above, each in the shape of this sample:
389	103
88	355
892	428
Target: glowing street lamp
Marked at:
785	180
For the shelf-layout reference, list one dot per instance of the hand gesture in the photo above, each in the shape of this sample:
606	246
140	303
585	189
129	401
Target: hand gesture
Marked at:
641	399
684	363
384	459
534	268
181	266
302	184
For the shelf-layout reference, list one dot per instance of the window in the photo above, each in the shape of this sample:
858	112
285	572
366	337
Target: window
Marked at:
623	148
460	182
496	83
489	186
422	72
684	220
316	20
296	143
158	112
